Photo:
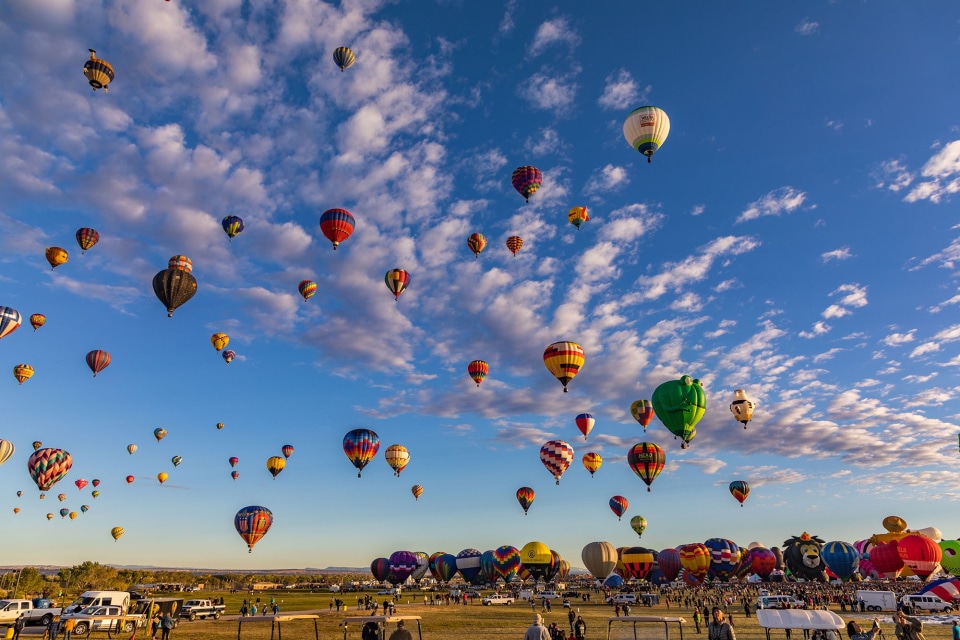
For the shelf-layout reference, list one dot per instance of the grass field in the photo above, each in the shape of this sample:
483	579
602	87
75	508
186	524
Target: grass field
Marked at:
470	622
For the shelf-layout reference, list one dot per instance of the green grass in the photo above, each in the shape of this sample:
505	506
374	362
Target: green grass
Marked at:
458	622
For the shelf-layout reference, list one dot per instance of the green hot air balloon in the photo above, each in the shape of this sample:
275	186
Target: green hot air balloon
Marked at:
680	404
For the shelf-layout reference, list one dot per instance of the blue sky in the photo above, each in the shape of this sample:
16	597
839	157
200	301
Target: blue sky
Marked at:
795	236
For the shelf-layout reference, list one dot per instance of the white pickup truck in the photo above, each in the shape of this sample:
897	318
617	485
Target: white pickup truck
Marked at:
10	610
193	609
497	598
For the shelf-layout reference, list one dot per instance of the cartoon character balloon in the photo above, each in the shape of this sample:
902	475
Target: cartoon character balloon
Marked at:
56	256
741	407
577	216
802	555
646	129
564	360
252	523
360	447
336	225
48	466
647	460
680	404
556	456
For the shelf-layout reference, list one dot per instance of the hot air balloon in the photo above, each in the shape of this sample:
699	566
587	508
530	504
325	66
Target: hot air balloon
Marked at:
95	482
619	504
131	448
477	242
592	461
680	404
344	57
724	558
99	74
638	524
478	370
37	444
162	476
741	407
695	560
48	466
275	465
95	494
7	449
234	474
219	426
228	355
886	559
287	450
564	360
642	412
402	564
599	558
130	479
174	287
233	461
397	457
336	225
444	566
842	558
84	508
585	423
397	281
180	263
73	515
56	256
49	516
556	456
536	558
647	460
81	483
506	561
64	512
232	226
525	496
86	238
637	562
252	523
98	360
307	289
16	509
380	568
646	129
10	320
37	320
526	180
61	497
176	460
219	340
577	216
468	564
514	243
360	446
22	372
159	433
739	489
417	491
920	554
19	494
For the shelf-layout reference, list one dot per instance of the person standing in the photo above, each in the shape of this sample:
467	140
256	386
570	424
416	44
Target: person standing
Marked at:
51	631
18	626
537	631
697	618
68	626
580	628
719	628
571	617
956	630
167	623
400	633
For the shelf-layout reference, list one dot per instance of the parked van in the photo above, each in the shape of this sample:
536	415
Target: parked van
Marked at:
100	598
778	602
925	602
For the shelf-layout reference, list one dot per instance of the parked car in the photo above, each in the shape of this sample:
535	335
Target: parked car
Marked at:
497	598
548	595
926	602
103	618
622	598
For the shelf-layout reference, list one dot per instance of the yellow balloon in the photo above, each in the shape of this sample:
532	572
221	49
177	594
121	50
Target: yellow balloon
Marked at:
162	477
49	516
275	465
73	515
116	532
56	256
219	340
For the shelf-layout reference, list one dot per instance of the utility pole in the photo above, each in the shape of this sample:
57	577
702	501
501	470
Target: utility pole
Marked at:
17	586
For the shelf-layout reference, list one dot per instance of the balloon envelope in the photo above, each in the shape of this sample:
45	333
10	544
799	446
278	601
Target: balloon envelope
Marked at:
10	320
680	404
585	423
592	462
6	450
564	360
252	523
647	460
525	496
646	129
336	225
48	466
98	360
174	287
556	456
527	180
307	289
599	558
360	447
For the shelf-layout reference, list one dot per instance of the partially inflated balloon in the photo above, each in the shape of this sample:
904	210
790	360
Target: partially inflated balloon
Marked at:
647	460
98	360
592	461
525	496
556	456
646	129
336	225
514	243
397	457
307	289
219	340
37	320
275	465
56	256
48	466
527	180
174	287
232	226
86	238
360	446
478	370
564	360
680	404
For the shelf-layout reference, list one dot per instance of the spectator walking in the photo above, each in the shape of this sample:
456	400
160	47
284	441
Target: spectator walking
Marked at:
537	631
167	623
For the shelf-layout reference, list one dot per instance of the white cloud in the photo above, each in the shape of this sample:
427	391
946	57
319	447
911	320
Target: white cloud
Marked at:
819	328
937	308
897	339
621	91
827	355
694	268
925	348
698	209
893	176
784	199
853	296
550	91
551	32
546	143
606	179
807	27
918	379
843	253
943	175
